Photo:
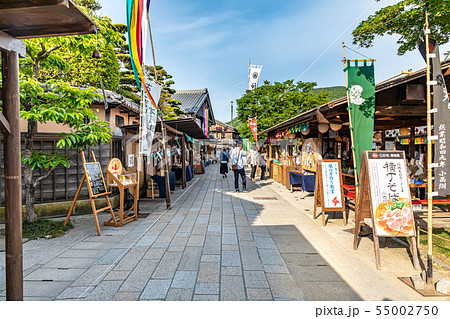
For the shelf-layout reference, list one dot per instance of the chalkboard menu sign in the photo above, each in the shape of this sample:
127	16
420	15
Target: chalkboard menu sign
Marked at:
94	176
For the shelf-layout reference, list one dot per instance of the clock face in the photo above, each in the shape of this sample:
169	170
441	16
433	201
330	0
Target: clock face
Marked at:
255	75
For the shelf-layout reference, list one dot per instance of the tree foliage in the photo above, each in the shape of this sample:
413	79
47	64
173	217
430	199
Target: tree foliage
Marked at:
405	19
277	102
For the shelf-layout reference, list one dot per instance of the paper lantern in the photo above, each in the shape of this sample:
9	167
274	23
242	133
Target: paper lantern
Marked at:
335	126
291	136
305	130
323	127
404	131
377	135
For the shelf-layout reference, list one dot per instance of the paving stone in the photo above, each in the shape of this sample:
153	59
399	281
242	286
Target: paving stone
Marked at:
179	241
232	288
138	278
131	258
314	273
71	262
210	258
154	253
49	289
265	243
184	279
212	245
214	228
92	276
283	287
146	241
304	259
206	298
156	289
229	239
175	248
176	294
255	279
231	258
250	258
276	269
55	274
231	271
196	240
209	272
190	259
117	275
161	245
270	257
207	288
229	230
112	257
168	265
126	296
106	290
333	291
255	294
83	253
75	293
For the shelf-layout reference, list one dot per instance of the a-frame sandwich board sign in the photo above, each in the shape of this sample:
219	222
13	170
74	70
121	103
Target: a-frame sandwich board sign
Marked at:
384	196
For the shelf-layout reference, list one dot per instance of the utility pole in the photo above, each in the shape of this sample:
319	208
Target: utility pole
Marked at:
231	113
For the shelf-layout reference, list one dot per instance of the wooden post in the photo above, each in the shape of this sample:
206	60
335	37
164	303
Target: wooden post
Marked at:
183	160
13	183
429	277
166	166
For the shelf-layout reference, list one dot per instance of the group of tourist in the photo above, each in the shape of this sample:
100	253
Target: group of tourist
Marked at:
237	157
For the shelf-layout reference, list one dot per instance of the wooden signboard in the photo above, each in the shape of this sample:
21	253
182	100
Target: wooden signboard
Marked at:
96	183
96	186
329	194
117	176
310	154
385	197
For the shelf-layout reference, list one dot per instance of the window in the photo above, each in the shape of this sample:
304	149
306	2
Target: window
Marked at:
119	121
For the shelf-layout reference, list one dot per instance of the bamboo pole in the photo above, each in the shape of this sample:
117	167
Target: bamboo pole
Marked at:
351	127
429	279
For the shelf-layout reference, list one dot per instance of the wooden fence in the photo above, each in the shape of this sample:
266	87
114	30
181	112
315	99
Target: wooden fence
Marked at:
63	182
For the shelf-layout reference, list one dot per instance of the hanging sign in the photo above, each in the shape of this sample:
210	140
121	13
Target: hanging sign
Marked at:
310	156
385	197
149	116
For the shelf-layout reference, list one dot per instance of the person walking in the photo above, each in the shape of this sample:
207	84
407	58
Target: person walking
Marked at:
253	164
224	162
237	161
262	164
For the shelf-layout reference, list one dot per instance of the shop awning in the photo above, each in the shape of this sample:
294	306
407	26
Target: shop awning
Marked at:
43	18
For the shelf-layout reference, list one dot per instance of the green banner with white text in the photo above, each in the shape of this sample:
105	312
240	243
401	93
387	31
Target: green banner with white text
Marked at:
361	93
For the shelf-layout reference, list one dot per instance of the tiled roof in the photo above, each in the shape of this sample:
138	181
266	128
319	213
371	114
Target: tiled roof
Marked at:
191	100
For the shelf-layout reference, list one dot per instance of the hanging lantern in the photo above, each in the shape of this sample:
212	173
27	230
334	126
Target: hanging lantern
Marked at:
335	126
404	131
305	130
377	135
323	127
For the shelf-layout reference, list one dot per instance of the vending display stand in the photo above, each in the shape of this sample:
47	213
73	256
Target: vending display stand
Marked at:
117	176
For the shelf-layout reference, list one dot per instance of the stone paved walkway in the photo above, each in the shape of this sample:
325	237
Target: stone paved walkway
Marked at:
214	244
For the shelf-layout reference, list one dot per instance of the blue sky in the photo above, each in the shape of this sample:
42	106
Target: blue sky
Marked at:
207	44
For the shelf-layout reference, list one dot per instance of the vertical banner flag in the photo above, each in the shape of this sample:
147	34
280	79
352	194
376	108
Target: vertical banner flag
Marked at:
137	11
206	122
149	115
441	119
361	88
254	72
254	129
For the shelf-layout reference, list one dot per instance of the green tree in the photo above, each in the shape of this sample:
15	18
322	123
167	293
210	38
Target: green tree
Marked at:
277	102
169	106
65	105
91	5
405	19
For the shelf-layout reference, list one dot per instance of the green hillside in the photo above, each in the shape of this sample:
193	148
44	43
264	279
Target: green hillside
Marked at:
334	92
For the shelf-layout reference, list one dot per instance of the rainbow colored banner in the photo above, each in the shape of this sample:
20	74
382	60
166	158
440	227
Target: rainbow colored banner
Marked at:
137	11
